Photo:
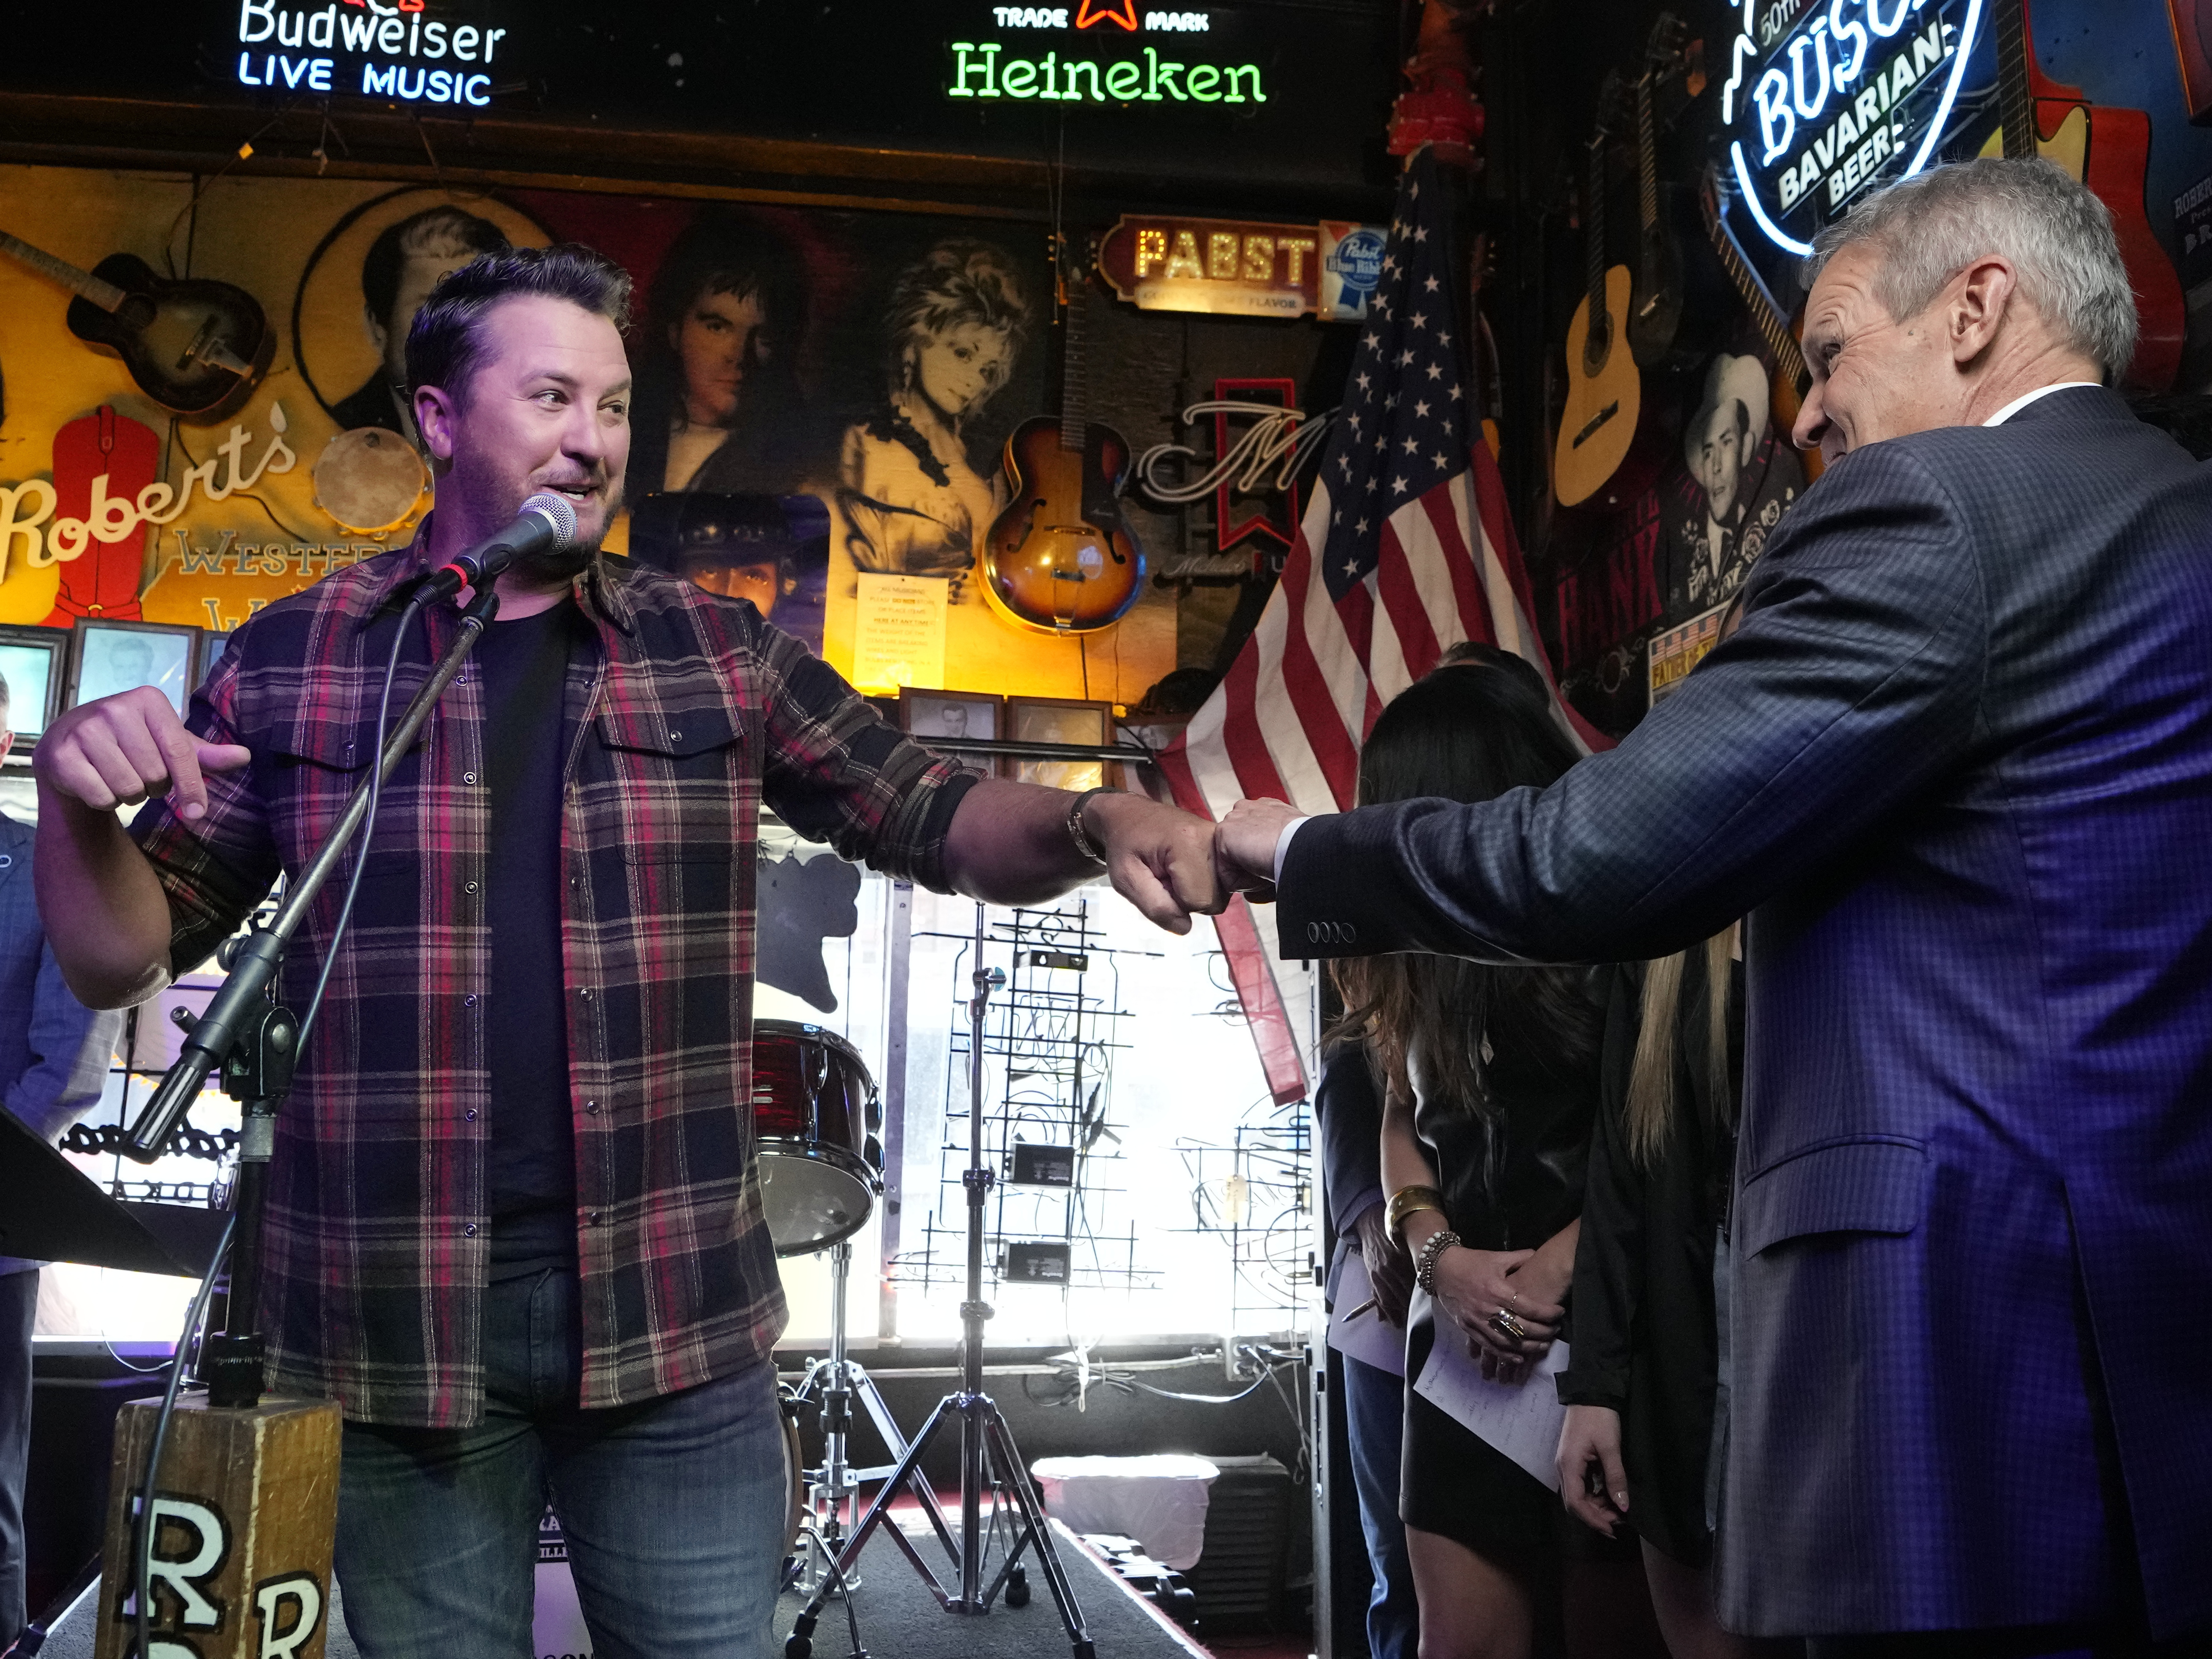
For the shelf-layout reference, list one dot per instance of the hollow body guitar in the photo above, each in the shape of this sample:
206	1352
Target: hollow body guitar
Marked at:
1061	559
195	346
2108	150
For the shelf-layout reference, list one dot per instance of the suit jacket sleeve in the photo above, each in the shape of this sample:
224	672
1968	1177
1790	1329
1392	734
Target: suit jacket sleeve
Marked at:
1348	1113
1851	688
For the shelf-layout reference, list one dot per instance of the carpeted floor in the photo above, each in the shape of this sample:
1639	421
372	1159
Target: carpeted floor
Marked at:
899	1618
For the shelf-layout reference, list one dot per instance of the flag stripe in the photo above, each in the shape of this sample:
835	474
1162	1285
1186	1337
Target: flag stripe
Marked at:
1405	549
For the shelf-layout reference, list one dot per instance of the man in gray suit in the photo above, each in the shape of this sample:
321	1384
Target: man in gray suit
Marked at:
1957	764
54	1060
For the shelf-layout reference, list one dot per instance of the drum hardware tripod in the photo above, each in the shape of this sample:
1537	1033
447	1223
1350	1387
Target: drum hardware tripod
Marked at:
836	1382
987	1452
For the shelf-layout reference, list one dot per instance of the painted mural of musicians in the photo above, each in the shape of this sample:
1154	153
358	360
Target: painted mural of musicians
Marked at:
1740	478
719	406
403	264
914	500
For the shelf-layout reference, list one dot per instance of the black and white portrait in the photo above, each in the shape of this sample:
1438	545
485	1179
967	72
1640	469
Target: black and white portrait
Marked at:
1740	476
404	264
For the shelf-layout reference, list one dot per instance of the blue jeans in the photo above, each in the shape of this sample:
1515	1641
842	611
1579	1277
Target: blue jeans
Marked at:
673	1508
1374	1422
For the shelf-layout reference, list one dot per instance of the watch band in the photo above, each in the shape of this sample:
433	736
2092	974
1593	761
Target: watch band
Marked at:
1077	833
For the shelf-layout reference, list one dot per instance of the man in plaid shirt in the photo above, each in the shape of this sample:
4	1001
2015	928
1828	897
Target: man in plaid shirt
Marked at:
515	1219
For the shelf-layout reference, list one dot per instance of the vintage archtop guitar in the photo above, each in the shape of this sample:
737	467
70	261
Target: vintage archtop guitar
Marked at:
1061	559
195	346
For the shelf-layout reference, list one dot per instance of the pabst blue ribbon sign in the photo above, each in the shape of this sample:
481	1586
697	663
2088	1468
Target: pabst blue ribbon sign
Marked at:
1824	98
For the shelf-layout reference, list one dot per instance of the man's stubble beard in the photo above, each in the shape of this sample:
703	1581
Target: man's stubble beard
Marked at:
567	563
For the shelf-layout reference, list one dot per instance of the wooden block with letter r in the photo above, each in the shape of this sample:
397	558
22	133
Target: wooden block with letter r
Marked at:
246	1510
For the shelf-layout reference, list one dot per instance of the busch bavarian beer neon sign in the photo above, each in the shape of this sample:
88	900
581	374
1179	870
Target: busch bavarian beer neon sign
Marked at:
1824	98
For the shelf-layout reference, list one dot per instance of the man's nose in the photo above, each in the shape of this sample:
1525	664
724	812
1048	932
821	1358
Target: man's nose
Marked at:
1811	421
583	435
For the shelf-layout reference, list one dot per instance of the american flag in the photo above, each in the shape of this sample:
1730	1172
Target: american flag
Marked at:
1405	549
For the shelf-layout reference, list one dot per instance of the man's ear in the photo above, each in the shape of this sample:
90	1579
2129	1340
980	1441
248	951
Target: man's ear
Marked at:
1980	296
435	418
378	334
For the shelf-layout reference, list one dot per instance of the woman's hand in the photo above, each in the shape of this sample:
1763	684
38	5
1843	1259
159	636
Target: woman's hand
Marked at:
1476	1287
1589	1457
1389	1269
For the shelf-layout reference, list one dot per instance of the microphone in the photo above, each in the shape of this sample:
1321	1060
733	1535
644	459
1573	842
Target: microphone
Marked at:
546	523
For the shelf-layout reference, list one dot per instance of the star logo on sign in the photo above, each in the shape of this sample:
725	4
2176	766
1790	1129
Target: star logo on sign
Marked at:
1121	12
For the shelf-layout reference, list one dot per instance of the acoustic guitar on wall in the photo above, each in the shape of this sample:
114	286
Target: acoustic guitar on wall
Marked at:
1789	378
195	346
1605	393
1655	317
1061	559
2109	150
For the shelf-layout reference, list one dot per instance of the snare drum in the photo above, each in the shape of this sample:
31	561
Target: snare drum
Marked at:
816	1116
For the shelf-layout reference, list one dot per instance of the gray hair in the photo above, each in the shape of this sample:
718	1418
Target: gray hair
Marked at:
2055	235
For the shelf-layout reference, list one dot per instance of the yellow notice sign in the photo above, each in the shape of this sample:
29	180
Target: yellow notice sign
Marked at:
898	632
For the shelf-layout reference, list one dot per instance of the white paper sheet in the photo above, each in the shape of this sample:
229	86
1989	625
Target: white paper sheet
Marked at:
1366	1338
1520	1419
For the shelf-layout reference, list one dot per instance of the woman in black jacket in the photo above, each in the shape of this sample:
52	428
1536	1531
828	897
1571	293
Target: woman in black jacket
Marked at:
1646	1392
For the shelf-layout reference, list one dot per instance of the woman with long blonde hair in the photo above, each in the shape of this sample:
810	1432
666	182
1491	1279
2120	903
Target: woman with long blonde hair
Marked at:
1647	1393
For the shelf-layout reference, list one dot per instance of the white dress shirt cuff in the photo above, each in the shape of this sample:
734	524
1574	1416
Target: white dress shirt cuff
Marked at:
1283	844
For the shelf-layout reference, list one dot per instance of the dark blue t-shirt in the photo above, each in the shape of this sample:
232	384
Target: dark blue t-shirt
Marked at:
531	1157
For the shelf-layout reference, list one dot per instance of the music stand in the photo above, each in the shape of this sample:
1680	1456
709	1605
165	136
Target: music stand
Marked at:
987	1453
52	1211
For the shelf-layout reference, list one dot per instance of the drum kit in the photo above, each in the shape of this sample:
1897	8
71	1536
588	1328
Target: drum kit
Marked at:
817	1119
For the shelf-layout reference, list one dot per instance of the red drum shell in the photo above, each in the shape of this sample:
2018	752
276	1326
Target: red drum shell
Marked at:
813	1101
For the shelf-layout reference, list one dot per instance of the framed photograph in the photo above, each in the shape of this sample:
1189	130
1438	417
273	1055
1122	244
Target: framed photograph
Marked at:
1059	720
122	656
924	714
211	645
35	666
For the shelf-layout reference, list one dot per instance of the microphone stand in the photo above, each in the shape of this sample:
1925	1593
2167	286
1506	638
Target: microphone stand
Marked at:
255	1039
988	1457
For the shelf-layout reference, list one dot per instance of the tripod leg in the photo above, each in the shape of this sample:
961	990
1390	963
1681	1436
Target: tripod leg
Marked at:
1025	1498
909	1470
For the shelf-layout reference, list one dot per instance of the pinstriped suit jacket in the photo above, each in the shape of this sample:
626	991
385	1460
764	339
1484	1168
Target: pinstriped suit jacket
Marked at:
1958	763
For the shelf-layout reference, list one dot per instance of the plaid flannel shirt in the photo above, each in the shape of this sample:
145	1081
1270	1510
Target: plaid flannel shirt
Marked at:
377	1229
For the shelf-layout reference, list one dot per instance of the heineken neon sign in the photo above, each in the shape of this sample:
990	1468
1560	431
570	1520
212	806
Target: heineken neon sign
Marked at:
983	70
1824	100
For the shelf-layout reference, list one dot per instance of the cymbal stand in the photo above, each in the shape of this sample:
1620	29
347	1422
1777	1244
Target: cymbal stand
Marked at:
836	1382
988	1455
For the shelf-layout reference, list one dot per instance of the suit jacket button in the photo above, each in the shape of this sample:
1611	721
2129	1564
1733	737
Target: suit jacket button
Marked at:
1313	933
1348	933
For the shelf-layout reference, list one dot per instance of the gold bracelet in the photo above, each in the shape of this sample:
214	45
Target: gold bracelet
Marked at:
1406	1201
